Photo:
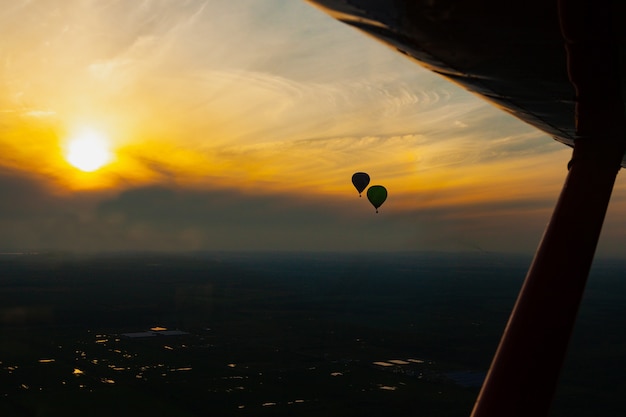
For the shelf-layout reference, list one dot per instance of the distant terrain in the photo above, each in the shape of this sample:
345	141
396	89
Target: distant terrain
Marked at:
281	334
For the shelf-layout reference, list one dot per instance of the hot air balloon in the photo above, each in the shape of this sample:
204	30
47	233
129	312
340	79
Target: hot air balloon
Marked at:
377	194
360	181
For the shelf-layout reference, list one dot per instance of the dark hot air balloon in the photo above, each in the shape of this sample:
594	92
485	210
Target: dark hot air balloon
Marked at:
360	181
377	194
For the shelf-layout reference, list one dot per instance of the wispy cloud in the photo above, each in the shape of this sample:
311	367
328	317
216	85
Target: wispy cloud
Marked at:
246	108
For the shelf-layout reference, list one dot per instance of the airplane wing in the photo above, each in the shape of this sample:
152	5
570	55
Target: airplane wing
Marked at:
510	53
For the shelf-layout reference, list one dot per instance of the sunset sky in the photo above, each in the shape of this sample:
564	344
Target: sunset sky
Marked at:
238	125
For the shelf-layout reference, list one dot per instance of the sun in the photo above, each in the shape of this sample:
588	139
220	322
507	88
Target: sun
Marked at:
88	150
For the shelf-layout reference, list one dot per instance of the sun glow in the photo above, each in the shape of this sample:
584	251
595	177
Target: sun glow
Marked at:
88	150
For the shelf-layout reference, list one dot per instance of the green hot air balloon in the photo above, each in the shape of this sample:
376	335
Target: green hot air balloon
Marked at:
377	194
360	181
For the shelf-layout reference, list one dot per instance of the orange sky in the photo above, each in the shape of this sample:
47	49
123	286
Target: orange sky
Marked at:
259	99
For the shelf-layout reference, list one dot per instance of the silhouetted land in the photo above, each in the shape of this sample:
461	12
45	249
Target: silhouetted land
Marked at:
276	334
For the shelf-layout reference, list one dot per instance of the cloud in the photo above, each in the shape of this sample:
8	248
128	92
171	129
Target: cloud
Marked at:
162	218
174	218
239	124
178	219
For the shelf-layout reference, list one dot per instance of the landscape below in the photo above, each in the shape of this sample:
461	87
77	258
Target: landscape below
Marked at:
294	334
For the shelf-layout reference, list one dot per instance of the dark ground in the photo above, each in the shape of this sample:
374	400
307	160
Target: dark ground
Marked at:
282	334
